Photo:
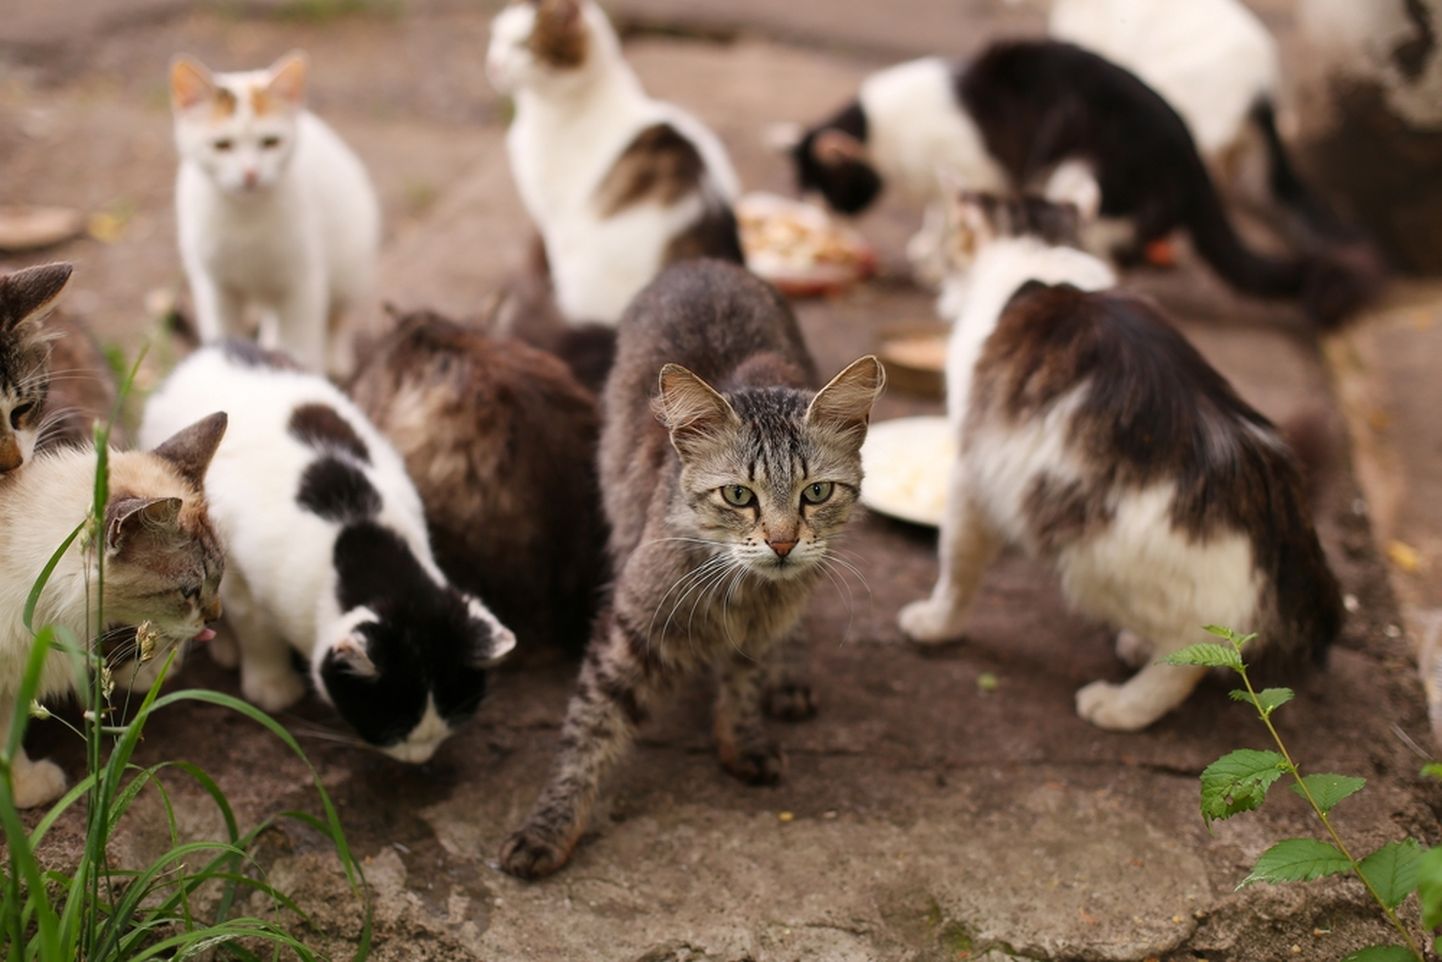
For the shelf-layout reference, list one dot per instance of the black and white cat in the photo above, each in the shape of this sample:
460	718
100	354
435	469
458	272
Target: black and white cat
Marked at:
329	555
1036	115
1092	435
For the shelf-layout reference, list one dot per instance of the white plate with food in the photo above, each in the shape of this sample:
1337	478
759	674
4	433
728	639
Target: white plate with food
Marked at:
799	247
907	462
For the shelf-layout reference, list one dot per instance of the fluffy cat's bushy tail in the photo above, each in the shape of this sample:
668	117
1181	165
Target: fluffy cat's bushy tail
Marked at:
1331	284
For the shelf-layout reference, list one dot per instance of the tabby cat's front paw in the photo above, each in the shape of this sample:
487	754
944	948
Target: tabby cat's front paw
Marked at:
532	853
790	701
1107	706
931	620
762	764
37	783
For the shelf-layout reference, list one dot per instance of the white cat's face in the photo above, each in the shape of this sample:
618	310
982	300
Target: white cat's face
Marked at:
240	128
545	44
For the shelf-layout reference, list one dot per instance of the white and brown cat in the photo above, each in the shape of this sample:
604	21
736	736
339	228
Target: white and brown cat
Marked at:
1096	438
276	213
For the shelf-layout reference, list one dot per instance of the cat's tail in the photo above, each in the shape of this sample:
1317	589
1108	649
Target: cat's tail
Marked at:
1332	284
1288	188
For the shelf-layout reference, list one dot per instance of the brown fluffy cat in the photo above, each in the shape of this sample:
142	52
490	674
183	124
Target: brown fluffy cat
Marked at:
162	569
723	503
501	442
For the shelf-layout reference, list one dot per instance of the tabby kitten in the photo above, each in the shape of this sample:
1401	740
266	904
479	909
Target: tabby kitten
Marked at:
500	441
163	565
1026	112
276	214
329	557
26	297
618	184
722	516
1096	438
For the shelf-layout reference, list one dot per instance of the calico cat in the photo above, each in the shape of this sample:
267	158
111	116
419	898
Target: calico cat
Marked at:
618	184
1096	438
722	516
163	564
501	443
1215	62
26	297
275	212
329	556
1025	112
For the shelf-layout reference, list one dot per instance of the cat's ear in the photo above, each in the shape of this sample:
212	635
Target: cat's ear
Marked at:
190	83
494	647
190	449
844	405
1073	182
970	220
833	147
287	78
696	415
125	517
350	653
29	294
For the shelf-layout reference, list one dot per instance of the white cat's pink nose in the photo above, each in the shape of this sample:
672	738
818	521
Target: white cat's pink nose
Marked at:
252	177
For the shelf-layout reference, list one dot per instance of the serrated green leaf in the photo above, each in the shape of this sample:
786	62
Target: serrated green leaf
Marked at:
1227	634
1270	699
1238	782
1328	790
1297	860
1206	655
1429	887
1393	870
1382	953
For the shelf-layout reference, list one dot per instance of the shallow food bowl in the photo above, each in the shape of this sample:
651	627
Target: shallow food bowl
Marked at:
915	357
907	462
800	248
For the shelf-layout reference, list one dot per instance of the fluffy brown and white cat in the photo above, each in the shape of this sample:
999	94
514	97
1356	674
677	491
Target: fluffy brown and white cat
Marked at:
618	184
163	564
725	482
500	441
26	297
1096	438
275	212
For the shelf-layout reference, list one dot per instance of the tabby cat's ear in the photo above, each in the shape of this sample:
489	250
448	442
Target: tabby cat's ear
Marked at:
843	406
190	83
28	294
287	78
695	413
190	449
350	653
126	517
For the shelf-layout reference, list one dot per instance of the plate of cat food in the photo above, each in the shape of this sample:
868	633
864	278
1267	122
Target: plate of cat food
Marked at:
907	462
915	357
799	247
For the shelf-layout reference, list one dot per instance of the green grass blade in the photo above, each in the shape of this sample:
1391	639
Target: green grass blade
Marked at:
38	588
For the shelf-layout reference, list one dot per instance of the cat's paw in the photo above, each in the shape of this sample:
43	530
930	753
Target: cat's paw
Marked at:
224	651
790	701
533	853
1133	650
272	691
931	621
1107	706
37	783
762	764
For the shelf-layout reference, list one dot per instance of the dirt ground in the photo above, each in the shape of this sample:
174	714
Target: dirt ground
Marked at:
928	815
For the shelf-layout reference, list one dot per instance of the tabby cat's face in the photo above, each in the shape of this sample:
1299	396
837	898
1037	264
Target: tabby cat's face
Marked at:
975	219
239	128
769	475
26	296
163	559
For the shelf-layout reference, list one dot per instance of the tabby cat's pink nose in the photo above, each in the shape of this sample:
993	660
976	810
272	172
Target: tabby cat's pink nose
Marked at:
782	548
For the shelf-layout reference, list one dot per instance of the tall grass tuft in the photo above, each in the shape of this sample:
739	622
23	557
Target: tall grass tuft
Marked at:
104	913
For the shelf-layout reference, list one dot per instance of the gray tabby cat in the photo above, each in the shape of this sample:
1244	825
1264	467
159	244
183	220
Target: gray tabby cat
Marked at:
722	516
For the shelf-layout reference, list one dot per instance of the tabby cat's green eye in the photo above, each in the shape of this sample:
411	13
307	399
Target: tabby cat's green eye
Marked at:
817	492
737	495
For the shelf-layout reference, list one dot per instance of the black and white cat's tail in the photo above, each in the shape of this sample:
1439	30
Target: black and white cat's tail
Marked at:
1332	283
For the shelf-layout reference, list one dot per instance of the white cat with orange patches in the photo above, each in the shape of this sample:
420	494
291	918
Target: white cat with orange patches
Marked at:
276	214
